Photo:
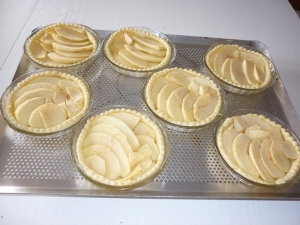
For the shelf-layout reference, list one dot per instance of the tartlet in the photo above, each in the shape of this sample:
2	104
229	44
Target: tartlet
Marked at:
45	102
63	45
262	150
239	69
138	51
120	148
184	97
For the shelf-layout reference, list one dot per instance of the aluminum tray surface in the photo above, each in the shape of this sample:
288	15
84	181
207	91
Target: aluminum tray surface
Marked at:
43	166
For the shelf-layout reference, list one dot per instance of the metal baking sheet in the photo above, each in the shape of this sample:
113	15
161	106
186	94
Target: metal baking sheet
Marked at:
43	166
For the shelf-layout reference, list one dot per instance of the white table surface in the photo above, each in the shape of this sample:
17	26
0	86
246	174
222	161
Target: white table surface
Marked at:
272	22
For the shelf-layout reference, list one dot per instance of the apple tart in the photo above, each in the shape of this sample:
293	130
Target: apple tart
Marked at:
238	66
46	102
259	149
138	49
183	97
62	45
120	147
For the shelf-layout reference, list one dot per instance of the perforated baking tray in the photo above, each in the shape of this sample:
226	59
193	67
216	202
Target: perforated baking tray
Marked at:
44	166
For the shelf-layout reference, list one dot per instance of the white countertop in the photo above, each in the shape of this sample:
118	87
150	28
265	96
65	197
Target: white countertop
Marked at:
272	22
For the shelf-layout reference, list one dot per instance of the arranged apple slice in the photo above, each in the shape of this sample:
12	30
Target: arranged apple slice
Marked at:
236	72
70	34
288	150
275	133
201	113
145	140
39	92
163	96
128	118
278	157
174	103
52	115
219	60
178	77
97	164
228	137
157	86
248	69
144	129
188	106
225	70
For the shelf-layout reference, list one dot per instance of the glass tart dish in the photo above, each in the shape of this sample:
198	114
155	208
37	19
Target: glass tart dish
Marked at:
46	102
239	69
258	149
183	99
120	147
63	45
138	52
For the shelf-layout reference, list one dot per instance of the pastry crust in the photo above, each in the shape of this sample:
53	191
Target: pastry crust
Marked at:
193	74
295	163
142	34
209	59
121	181
10	108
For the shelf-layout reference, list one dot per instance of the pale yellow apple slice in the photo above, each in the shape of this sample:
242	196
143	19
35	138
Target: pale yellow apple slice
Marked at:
35	86
157	86
275	133
78	29
63	59
145	150
97	164
24	110
123	61
48	100
149	42
194	87
35	119
240	150
63	83
236	72
241	123
72	107
201	113
135	158
150	142
233	54
68	48
253	57
47	38
219	60
178	77
263	124
149	50
75	94
257	134
52	115
228	136
188	105
289	150
211	58
205	90
248	69
135	172
144	129
174	103
39	92
127	38
163	96
70	34
225	69
113	49
80	54
254	153
279	159
37	50
112	164
52	80
128	118
114	132
201	102
110	142
265	152
259	74
136	61
143	55
59	97
47	47
201	81
146	164
117	42
65	41
123	127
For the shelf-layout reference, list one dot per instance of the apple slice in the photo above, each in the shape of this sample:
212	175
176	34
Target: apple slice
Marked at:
219	60
205	90
228	136
65	41
39	92
70	34
241	123
163	96
275	133
80	54
279	159
248	69
37	50
201	113
35	119
52	80
225	69
257	134
63	59
289	150
134	173
188	105
114	132
194	87
144	129
240	150
254	152
150	142
236	72
112	164
52	115
259	73
263	124
136	61
47	47
179	77
265	152
110	142
131	137
127	38
143	55
135	158
24	110
146	164
68	48
149	42
157	86
123	61
145	150
128	118
201	81
59	97
75	94
152	51
97	164
174	103
252	57
119	43
114	50
233	54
